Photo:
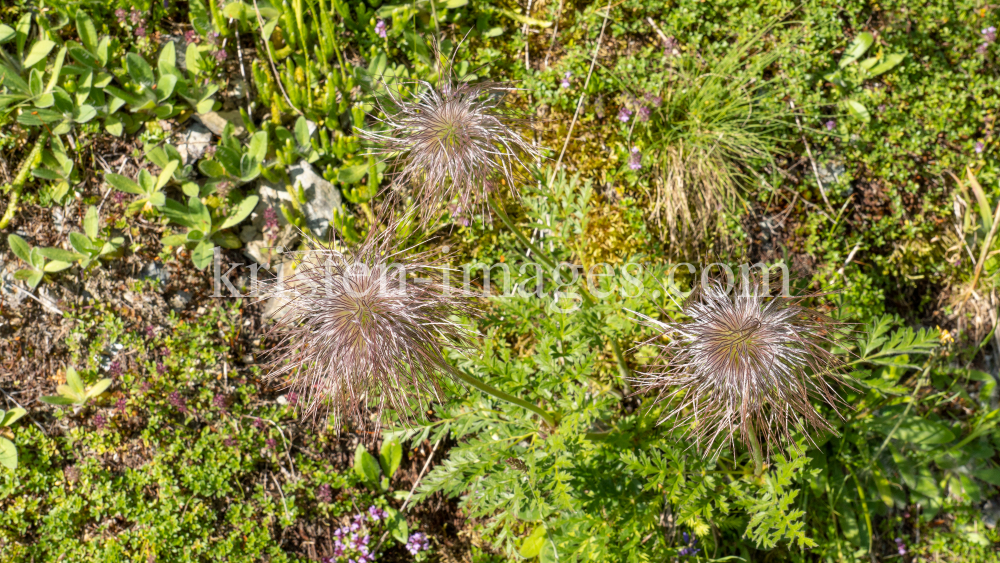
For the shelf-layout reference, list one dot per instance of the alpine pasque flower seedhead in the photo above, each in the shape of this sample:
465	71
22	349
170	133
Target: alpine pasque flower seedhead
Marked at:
365	325
452	142
747	364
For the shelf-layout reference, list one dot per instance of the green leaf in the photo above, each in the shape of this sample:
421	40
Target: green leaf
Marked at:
857	48
91	223
6	33
167	62
21	248
302	132
81	244
113	125
84	113
139	70
366	467
178	213
165	87
86	30
8	454
166	174
396	524
173	240
242	211
390	456
202	254
59	254
56	266
532	545
859	110
258	146
38	51
200	214
98	387
235	10
57	400
121	183
74	382
352	174
888	64
11	416
991	476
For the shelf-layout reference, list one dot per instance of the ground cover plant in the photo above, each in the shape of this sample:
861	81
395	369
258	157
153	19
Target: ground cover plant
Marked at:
340	281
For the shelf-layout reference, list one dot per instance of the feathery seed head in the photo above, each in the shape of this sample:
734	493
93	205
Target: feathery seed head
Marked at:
453	142
746	364
366	325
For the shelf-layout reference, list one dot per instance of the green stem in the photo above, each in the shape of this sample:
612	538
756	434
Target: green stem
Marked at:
545	260
622	367
490	390
22	178
758	458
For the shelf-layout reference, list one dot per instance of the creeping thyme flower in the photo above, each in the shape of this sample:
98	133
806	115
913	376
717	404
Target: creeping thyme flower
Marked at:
271	443
979	147
654	100
453	142
220	55
150	331
635	159
99	421
981	50
140	31
565	80
900	546
121	15
160	368
220	402
830	125
324	494
380	29
191	36
365	325
180	403
376	513
229	442
624	114
746	364
135	16
417	543
115	369
990	34
644	113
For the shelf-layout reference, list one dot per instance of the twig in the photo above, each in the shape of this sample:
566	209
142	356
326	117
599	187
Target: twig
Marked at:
555	32
850	257
579	103
983	253
656	28
811	160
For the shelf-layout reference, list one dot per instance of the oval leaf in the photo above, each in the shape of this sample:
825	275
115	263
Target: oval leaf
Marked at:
38	51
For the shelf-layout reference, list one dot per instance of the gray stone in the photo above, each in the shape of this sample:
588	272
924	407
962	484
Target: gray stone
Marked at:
322	198
180	300
991	512
155	271
216	121
194	142
830	172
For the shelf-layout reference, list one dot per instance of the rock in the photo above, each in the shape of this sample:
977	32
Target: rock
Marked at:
193	142
58	219
155	271
180	300
10	293
216	121
991	513
322	198
830	172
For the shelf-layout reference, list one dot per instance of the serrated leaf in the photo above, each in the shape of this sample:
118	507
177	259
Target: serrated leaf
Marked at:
914	429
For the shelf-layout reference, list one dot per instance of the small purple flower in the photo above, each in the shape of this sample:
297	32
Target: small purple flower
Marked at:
191	36
121	15
324	494
160	368
220	402
376	513
118	197
115	369
691	546
220	55
654	100
990	34
979	147
259	424
292	397
417	543
120	405
99	421
272	444
900	546
982	48
135	16
270	218
831	125
213	37
644	113
180	403
565	80
635	159
669	46
140	31
380	29
229	442
881	108
624	114
150	331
